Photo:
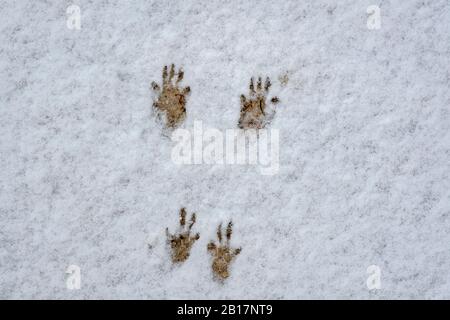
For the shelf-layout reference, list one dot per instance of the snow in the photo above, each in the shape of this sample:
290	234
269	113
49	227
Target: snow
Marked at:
87	178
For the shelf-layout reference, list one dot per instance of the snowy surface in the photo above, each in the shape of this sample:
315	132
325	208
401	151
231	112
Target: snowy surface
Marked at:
87	179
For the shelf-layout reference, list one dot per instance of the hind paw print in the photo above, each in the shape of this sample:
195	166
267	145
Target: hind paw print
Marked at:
222	253
181	242
171	100
255	111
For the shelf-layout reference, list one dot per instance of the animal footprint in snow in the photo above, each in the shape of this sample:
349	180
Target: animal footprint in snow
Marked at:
182	242
222	253
255	112
171	100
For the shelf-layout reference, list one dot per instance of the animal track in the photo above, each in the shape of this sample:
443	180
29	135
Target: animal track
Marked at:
255	113
284	79
181	243
223	254
172	98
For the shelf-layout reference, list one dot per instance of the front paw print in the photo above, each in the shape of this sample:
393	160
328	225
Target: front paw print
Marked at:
171	100
181	243
223	254
255	112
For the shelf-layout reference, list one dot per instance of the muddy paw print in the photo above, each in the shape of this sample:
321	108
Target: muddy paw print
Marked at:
181	243
255	111
171	100
223	255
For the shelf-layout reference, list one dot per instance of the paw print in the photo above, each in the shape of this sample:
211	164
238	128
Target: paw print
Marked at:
222	253
255	113
181	243
172	98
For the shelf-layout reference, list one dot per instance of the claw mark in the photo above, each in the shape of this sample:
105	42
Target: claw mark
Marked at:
254	113
223	254
181	243
172	98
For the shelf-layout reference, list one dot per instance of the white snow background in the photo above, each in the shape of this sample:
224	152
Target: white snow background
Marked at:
87	178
